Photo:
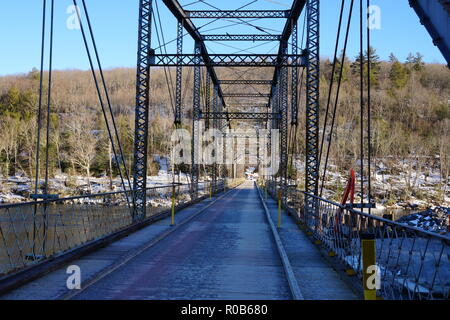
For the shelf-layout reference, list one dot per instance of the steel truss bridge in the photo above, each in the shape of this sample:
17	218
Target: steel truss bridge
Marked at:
229	239
282	99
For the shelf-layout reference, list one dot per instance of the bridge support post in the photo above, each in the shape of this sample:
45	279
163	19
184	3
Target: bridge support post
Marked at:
142	106
196	124
179	75
280	198
294	76
207	99
173	205
283	124
312	105
215	107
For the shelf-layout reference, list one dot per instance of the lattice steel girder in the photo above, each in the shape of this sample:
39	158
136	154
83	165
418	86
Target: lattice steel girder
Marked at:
237	14
248	105
196	125
216	125
294	75
179	75
242	134
434	15
312	101
283	124
246	95
241	115
227	60
141	110
207	98
241	37
246	82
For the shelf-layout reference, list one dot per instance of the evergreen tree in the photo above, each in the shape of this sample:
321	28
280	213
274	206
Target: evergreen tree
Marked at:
345	69
418	62
374	65
17	104
392	58
409	61
398	75
415	62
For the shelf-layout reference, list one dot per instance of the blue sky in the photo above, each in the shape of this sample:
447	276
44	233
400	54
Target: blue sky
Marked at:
115	25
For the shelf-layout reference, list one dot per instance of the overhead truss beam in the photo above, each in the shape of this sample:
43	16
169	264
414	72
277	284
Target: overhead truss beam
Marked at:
247	82
243	135
237	14
240	115
246	95
231	105
227	60
241	37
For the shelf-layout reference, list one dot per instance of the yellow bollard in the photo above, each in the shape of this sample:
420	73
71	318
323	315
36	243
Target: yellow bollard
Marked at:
173	206
279	208
368	247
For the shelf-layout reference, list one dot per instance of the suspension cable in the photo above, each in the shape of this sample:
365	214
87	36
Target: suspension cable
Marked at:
369	119
107	98
337	96
361	91
330	89
49	94
41	85
100	96
39	125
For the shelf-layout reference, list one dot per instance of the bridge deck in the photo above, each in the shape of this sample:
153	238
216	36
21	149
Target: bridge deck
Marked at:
225	252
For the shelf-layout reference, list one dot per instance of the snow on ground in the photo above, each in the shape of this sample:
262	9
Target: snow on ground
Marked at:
418	208
389	185
18	188
386	181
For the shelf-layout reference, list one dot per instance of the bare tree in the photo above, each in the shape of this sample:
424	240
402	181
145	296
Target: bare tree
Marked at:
82	139
444	156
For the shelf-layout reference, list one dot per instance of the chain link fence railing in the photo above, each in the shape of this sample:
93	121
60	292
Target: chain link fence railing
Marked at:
32	232
412	263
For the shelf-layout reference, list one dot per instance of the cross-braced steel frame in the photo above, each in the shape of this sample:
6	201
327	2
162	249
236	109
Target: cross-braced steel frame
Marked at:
246	95
247	82
241	37
312	103
213	110
238	14
142	109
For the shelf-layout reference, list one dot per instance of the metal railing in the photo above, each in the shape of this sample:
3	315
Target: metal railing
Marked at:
412	263
32	232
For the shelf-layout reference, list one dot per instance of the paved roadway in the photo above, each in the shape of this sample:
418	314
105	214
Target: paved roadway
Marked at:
226	252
